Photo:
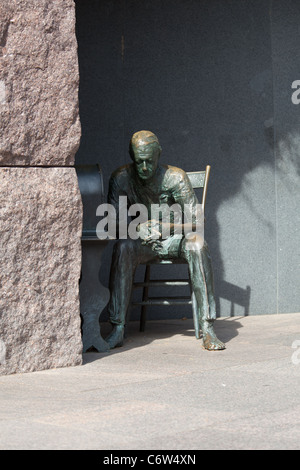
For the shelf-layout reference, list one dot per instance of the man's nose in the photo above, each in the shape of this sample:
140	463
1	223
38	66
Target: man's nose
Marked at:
144	166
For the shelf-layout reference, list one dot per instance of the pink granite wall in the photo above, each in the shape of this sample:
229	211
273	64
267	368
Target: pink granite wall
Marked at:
40	203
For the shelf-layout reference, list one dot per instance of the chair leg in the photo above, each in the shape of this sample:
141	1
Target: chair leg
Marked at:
145	298
195	316
195	313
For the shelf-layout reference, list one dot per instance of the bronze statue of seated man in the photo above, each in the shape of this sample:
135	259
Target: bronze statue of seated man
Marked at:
146	181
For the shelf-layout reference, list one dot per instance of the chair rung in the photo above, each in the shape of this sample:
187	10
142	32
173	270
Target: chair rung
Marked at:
165	301
162	282
165	261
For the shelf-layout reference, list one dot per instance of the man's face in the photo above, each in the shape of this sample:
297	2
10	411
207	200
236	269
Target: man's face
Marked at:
145	160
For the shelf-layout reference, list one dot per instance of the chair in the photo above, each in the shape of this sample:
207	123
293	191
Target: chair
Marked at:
93	295
199	179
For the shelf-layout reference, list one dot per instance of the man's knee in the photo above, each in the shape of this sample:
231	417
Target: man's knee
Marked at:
126	253
191	243
123	247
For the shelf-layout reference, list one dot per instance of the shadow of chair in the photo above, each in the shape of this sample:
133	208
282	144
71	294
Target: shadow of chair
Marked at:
235	295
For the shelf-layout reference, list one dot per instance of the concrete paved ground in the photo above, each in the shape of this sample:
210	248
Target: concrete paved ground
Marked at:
163	391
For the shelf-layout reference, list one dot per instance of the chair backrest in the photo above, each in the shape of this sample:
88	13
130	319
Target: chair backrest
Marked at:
90	181
199	179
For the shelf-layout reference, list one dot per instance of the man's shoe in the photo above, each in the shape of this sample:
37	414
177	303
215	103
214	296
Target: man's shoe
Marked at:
210	340
116	337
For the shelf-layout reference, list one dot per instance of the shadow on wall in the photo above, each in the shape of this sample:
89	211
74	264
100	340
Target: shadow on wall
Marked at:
235	295
200	75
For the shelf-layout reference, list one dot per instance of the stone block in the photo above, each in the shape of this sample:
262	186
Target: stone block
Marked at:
39	115
40	263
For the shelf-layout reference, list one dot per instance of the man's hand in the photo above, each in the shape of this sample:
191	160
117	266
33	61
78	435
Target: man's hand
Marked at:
149	231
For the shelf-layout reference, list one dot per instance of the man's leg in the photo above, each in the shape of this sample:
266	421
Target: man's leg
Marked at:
196	253
127	254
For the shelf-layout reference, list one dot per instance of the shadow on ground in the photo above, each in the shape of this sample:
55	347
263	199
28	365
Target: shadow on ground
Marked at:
226	330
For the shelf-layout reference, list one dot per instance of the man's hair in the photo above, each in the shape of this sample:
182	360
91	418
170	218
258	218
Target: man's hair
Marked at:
145	138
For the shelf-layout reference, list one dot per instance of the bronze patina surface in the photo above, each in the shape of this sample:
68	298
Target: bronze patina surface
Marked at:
146	181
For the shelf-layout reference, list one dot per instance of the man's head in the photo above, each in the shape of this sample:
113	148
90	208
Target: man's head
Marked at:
145	151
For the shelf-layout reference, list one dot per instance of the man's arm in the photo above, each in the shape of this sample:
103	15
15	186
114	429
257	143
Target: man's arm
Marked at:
187	212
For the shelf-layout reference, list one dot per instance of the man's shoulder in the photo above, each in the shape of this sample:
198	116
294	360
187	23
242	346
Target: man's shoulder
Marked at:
122	173
174	175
